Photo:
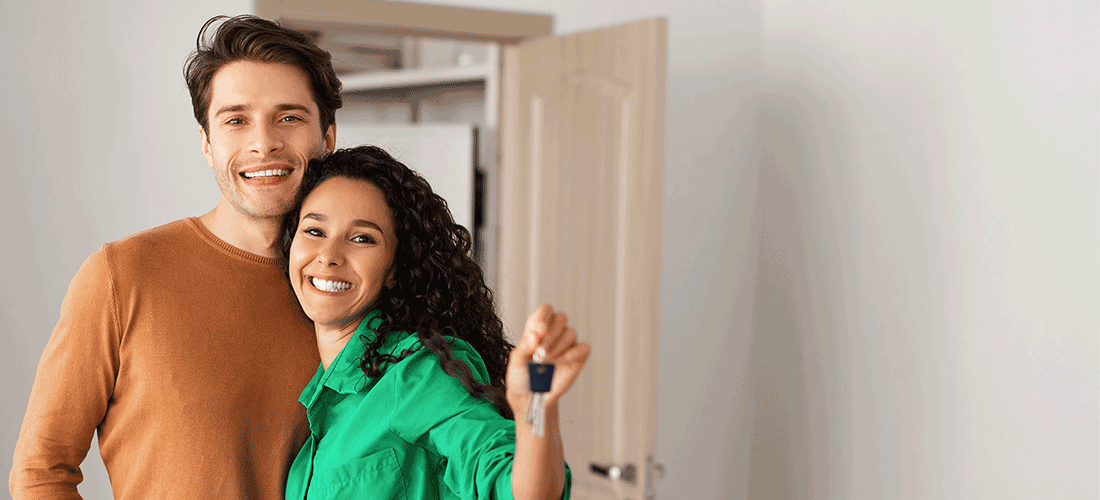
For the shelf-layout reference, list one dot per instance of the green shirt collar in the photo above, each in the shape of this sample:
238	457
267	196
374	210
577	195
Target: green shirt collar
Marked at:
344	375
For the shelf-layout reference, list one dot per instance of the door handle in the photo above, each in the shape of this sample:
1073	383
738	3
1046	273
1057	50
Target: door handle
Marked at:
626	473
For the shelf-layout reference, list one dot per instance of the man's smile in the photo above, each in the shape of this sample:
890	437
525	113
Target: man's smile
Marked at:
279	172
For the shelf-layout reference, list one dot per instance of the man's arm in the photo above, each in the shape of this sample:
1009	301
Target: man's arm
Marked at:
74	382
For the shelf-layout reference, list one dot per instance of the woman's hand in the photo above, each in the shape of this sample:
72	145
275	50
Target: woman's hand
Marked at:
550	331
538	469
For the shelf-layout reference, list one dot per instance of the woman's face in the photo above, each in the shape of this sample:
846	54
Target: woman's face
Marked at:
342	253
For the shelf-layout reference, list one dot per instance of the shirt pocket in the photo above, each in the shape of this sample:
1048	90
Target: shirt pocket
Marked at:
377	475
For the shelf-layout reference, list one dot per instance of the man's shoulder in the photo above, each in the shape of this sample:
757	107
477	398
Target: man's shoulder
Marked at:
161	244
162	238
175	230
129	258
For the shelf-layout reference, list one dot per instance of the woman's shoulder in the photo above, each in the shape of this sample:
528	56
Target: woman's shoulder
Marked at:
418	357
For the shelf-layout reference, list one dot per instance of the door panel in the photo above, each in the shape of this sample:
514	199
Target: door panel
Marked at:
582	135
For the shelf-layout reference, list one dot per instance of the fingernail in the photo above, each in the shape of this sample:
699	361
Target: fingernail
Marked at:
540	354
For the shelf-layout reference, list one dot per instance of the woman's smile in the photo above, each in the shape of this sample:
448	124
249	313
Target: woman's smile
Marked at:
330	285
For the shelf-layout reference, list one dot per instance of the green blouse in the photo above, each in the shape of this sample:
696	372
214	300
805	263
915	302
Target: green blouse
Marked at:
413	433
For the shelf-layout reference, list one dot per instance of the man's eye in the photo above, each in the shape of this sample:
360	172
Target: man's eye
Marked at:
235	121
314	232
291	118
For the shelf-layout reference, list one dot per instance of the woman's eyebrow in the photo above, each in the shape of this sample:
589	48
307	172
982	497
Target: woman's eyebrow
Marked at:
357	222
367	223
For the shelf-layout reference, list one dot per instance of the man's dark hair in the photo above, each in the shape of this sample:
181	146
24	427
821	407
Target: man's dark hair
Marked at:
250	38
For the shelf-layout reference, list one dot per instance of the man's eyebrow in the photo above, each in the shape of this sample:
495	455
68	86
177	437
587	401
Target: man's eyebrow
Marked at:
231	109
294	107
235	108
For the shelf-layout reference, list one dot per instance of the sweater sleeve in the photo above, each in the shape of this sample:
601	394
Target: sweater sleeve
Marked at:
72	387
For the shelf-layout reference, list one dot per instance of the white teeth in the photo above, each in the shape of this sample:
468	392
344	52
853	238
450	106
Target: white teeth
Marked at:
267	173
330	286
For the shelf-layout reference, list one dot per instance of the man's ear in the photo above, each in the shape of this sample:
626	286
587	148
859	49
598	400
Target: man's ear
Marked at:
330	138
204	143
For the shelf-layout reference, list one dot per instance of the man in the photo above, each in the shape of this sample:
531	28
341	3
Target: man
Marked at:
183	344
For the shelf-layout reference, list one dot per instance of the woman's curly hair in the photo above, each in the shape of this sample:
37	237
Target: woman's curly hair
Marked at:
438	290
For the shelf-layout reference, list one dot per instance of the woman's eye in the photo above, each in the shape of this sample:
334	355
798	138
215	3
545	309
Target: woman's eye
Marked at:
312	231
363	238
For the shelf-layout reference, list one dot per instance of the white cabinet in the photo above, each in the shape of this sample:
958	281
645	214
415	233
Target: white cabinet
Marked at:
442	153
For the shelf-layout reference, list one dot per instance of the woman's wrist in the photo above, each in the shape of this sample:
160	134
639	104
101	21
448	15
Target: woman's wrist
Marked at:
520	403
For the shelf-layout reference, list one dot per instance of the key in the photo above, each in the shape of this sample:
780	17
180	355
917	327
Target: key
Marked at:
539	375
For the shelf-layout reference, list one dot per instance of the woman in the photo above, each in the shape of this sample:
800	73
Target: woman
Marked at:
417	384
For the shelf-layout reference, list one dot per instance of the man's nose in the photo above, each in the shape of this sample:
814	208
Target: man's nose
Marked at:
266	138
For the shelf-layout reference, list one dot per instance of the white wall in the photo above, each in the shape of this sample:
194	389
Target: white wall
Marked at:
880	228
99	142
928	262
880	249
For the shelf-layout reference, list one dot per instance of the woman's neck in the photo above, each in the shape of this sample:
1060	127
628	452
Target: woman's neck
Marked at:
331	340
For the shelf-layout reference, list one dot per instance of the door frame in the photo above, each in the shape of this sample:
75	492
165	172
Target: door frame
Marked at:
408	19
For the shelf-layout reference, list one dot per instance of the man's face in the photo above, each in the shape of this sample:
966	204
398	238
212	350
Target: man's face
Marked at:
264	127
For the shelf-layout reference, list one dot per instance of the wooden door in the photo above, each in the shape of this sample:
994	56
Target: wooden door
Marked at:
582	151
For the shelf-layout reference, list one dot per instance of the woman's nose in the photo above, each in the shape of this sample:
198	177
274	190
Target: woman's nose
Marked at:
330	255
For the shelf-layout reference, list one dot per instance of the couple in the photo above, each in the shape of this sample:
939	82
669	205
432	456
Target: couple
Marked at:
185	348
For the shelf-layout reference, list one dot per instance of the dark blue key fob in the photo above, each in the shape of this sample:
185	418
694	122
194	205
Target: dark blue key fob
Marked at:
541	374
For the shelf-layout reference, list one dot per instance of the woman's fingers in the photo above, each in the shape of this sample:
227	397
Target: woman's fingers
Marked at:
545	351
544	330
555	347
536	328
548	330
567	368
538	324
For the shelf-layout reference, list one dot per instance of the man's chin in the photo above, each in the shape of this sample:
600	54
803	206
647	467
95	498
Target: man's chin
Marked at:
264	211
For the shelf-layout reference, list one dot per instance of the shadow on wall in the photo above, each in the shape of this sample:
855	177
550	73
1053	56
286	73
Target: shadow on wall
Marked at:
843	391
785	375
777	444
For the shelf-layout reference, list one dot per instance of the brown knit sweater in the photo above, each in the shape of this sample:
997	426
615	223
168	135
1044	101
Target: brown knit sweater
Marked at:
188	355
